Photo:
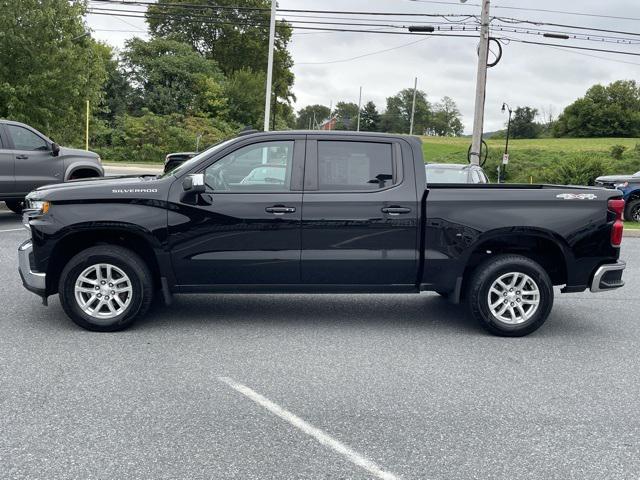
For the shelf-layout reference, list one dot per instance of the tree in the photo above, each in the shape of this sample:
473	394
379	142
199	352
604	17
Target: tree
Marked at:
235	38
397	117
605	111
446	121
49	67
308	114
168	76
245	92
346	114
523	123
369	118
117	90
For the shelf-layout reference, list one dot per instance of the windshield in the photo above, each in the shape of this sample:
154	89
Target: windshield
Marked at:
193	161
446	175
637	174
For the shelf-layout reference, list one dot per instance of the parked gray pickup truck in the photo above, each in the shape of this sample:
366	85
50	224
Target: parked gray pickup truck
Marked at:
28	160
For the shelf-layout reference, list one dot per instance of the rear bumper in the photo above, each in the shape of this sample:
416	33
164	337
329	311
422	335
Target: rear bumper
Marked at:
33	281
608	277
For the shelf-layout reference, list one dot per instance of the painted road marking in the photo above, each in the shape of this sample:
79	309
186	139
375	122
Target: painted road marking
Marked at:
322	437
14	230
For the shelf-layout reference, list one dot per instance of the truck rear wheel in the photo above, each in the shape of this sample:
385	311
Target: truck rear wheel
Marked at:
510	295
105	288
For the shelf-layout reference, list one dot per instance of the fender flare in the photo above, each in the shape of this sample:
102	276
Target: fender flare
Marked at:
516	232
82	165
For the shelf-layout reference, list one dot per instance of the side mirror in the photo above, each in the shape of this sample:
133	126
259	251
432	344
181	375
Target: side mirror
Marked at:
194	183
55	149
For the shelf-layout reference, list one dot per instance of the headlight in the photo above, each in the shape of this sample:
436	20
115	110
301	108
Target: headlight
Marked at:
38	207
621	185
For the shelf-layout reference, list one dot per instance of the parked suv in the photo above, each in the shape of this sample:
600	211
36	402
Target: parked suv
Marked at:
455	173
28	160
629	185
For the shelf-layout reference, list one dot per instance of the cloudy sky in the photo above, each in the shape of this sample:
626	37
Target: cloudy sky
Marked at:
543	77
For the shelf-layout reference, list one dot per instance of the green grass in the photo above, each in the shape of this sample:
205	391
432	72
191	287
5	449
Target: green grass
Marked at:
531	160
632	225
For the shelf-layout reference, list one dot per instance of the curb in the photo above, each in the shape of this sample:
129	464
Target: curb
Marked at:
631	233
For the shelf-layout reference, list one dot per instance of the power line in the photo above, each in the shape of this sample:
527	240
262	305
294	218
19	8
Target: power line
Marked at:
364	55
574	47
561	25
564	12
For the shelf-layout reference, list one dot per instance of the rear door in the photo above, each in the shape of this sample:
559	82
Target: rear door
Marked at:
6	165
360	212
34	164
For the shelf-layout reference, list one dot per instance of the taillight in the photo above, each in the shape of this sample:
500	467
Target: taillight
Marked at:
617	206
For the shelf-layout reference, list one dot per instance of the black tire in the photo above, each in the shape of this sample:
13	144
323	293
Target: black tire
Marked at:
489	272
632	211
16	206
126	260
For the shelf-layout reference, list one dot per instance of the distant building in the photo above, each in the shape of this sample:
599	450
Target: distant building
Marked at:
329	124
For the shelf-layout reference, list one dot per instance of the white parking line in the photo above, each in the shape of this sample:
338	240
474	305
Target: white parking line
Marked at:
13	230
310	430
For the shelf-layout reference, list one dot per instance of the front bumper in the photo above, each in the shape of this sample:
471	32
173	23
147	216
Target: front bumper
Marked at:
608	277
33	281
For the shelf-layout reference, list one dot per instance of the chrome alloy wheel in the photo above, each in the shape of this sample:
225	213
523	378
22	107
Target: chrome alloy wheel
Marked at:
514	298
103	291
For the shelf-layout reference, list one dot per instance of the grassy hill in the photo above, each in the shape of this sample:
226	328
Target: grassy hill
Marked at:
541	160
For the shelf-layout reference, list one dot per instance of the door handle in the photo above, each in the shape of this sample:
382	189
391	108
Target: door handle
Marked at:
280	209
22	157
395	210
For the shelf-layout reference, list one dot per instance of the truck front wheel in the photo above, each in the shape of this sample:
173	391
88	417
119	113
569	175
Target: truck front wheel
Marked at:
105	288
510	295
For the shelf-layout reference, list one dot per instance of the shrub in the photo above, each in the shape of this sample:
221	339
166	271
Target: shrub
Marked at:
617	151
575	171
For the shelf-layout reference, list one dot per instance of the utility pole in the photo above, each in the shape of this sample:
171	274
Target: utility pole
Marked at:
481	85
413	105
272	35
359	108
86	130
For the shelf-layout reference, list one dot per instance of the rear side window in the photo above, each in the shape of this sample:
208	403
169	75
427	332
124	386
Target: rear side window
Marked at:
24	139
348	166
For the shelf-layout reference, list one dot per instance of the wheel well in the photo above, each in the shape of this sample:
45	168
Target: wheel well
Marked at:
545	252
73	244
83	173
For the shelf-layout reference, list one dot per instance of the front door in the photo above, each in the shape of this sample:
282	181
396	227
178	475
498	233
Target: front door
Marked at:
360	217
34	164
245	230
6	166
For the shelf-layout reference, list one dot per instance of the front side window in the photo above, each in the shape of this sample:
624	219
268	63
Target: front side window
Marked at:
262	167
24	139
346	166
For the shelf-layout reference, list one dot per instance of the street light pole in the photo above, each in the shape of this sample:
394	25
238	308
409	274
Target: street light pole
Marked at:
272	35
481	85
506	145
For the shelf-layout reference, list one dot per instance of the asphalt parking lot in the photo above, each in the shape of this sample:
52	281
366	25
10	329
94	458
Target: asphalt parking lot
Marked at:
326	387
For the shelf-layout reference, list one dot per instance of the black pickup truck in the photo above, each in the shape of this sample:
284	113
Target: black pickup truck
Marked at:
311	212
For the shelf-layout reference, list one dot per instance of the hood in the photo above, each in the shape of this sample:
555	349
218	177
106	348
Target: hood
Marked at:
75	152
617	179
105	188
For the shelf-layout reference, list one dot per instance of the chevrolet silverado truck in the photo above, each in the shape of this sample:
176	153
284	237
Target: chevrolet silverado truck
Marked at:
317	212
28	159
